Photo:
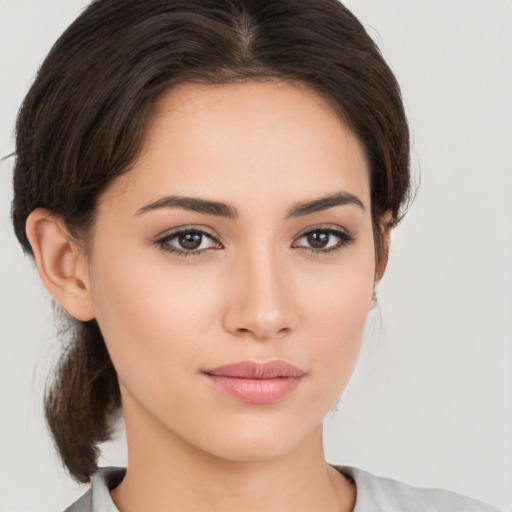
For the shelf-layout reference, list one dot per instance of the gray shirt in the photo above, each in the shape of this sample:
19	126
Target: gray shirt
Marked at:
374	494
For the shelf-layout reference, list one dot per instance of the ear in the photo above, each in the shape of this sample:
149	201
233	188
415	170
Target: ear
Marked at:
386	226
61	264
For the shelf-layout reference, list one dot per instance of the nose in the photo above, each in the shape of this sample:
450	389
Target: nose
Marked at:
262	303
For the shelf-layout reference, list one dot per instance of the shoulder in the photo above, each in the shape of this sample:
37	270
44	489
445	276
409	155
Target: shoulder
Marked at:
380	494
97	498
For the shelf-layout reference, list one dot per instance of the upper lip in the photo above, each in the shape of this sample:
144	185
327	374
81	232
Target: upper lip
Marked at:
257	370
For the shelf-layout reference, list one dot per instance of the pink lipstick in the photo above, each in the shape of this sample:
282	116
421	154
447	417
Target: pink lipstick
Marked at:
256	383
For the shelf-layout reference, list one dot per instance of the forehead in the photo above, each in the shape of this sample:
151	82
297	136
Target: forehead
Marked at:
269	142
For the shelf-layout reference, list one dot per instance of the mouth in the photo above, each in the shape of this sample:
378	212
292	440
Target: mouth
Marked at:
256	383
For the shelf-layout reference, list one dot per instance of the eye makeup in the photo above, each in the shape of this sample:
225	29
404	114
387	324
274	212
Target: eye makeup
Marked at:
195	242
188	242
321	240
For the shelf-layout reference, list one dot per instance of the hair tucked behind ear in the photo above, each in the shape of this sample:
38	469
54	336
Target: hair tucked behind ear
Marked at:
83	121
82	402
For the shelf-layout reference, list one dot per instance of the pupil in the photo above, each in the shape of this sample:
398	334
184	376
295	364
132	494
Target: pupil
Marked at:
318	239
190	240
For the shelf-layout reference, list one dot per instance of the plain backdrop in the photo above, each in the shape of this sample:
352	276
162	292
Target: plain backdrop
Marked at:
431	400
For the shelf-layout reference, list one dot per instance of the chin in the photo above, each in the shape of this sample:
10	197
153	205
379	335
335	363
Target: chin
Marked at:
252	450
257	441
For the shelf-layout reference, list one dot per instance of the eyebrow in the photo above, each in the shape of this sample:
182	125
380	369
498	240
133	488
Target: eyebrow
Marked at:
194	204
324	203
219	209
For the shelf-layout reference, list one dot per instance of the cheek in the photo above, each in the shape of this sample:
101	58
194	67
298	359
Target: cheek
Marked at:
151	317
341	295
337	318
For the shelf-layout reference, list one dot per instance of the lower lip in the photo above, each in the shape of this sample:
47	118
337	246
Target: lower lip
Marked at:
255	391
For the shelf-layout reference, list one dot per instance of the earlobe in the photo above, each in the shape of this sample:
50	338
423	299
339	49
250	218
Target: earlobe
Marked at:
60	263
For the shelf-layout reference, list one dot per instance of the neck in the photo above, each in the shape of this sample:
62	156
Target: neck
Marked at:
166	473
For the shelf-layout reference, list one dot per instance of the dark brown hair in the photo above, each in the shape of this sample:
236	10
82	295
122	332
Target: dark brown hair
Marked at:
84	118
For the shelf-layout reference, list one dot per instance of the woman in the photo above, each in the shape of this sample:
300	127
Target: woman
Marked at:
214	211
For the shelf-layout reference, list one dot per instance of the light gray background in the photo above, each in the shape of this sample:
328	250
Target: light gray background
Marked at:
431	402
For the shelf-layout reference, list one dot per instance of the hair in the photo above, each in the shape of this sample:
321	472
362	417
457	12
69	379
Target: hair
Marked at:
83	121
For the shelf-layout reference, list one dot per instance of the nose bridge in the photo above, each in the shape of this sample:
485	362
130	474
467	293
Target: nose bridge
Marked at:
263	304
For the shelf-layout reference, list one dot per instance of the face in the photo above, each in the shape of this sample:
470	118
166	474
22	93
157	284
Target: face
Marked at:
231	299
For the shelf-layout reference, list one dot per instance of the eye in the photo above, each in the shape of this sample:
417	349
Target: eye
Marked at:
324	240
188	242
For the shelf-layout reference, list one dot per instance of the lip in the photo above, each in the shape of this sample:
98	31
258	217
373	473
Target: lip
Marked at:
255	382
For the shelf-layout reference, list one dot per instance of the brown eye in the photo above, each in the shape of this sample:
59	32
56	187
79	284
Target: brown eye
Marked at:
324	240
318	239
190	241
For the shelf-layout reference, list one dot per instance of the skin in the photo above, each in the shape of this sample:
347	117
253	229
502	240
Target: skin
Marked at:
257	293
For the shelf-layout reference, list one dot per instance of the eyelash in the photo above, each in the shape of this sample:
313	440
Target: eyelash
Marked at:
345	239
